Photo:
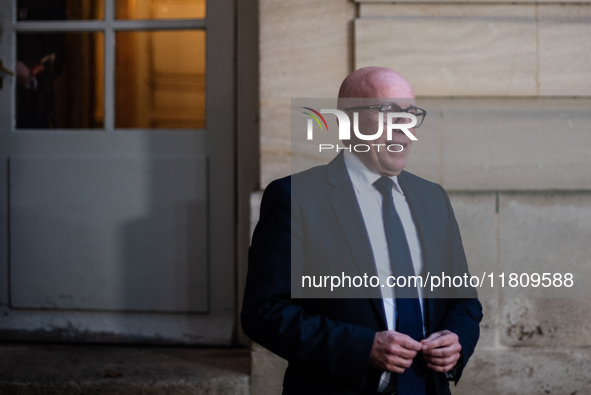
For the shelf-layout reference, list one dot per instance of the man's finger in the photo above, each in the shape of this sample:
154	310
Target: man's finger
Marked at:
441	341
441	369
448	360
398	364
432	336
409	343
443	351
402	352
393	351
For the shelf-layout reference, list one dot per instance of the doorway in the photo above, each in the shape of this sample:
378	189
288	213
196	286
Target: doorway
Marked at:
117	135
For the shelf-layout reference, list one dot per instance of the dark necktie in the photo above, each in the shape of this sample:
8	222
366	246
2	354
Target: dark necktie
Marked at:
409	319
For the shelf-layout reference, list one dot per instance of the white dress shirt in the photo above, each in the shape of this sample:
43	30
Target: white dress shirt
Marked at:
370	203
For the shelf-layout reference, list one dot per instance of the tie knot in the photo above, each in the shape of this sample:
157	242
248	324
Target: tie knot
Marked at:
384	185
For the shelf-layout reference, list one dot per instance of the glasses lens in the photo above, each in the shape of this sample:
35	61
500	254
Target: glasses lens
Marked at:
420	114
419	121
388	107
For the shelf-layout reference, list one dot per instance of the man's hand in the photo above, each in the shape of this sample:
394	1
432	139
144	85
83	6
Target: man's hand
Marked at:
393	351
441	351
23	74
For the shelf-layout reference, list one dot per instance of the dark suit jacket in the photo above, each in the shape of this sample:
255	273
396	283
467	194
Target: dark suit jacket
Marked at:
314	217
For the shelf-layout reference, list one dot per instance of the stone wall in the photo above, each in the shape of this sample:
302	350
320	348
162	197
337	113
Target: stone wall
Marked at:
507	88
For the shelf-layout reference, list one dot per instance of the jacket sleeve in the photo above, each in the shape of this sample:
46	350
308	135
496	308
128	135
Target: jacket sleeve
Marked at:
336	350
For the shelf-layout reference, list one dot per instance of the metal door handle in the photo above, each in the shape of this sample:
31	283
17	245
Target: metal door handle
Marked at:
5	70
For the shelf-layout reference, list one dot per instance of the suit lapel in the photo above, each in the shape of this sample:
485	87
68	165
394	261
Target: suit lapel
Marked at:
346	208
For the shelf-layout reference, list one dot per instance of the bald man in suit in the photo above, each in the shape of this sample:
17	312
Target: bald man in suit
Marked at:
337	216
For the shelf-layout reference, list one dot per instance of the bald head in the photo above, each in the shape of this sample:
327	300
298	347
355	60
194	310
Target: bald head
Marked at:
378	82
367	87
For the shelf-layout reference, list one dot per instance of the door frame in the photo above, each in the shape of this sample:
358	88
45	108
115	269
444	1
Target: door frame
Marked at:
232	109
247	140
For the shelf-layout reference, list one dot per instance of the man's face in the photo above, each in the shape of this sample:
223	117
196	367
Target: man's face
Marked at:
379	158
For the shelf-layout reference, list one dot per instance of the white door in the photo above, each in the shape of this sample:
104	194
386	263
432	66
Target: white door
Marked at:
117	171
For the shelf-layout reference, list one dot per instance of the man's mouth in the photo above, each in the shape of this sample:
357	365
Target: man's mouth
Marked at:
396	147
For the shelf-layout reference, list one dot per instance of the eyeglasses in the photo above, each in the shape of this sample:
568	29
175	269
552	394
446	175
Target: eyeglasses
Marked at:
419	113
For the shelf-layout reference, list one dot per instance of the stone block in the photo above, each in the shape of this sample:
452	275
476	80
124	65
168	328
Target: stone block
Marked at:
275	126
303	52
274	165
489	324
475	144
564	57
545	322
476	216
267	371
508	144
475	213
275	142
524	371
451	49
546	232
426	154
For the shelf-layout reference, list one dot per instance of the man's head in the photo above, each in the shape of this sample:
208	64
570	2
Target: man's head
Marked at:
372	86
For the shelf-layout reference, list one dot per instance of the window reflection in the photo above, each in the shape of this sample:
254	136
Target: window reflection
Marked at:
47	10
160	79
159	75
160	9
59	80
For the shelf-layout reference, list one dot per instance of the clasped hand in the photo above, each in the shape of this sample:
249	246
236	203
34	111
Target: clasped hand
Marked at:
394	351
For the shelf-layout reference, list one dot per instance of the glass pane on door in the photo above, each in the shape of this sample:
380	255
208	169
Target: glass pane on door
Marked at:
60	80
160	9
49	10
160	79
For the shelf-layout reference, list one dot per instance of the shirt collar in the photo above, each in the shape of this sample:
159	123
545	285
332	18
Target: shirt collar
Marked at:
363	178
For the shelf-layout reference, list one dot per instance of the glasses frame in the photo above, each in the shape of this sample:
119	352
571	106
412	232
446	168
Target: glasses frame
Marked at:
387	107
